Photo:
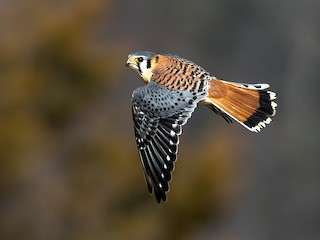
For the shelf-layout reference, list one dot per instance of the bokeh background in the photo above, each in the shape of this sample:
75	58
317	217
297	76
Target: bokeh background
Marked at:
69	167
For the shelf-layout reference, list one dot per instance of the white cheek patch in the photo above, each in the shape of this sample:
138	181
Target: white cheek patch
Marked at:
146	72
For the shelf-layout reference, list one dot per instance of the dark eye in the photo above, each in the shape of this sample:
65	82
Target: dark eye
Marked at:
140	59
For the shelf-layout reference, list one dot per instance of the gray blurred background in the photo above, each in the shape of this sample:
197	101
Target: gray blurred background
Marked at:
69	168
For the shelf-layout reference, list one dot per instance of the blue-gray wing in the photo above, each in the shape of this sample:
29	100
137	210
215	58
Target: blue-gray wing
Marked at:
159	114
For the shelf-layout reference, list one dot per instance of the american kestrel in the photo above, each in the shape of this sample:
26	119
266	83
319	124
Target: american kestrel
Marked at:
174	87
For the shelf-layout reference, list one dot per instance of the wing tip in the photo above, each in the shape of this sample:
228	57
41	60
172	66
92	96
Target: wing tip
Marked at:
158	190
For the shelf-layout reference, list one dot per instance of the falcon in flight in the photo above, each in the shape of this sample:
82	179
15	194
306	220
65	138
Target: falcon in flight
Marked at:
174	87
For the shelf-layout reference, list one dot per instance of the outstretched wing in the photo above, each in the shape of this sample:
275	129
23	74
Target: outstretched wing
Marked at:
158	115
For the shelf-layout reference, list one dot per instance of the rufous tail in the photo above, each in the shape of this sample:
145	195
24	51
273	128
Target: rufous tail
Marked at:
249	104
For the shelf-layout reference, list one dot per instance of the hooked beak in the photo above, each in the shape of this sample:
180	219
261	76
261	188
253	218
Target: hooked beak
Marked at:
131	63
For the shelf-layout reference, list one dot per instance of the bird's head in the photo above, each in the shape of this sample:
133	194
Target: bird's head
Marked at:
143	62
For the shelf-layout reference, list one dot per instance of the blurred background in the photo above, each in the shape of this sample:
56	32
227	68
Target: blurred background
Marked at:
69	167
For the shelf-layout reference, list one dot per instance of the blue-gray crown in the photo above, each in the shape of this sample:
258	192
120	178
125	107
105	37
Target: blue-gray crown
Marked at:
147	54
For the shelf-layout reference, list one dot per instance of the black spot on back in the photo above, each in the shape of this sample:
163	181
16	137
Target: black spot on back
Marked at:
184	70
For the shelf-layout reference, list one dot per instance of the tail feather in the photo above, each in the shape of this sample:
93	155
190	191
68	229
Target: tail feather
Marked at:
249	104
